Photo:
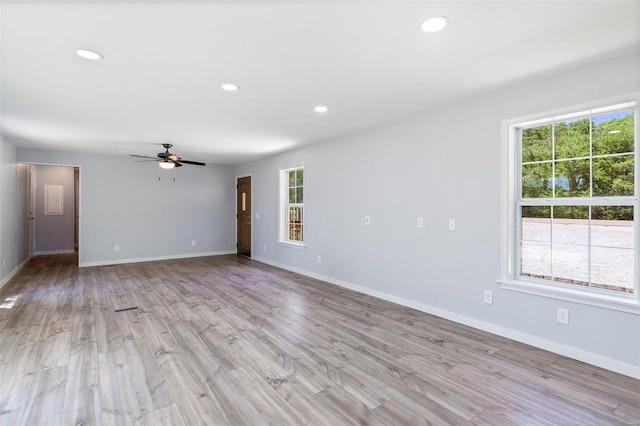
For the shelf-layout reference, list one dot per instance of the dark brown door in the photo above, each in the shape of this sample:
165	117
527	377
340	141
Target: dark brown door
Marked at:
244	215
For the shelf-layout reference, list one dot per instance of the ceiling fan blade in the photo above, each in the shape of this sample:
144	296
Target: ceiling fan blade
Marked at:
147	161
167	157
195	163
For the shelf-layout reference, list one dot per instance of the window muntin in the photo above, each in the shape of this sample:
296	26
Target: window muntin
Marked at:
576	200
292	205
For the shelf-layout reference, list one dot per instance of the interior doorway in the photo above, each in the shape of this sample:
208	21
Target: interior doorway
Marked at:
53	209
31	214
243	215
76	208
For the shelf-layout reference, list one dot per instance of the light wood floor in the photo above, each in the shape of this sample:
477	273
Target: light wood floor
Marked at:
226	340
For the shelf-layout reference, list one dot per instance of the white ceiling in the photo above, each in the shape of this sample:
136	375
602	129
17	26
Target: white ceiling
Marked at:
368	61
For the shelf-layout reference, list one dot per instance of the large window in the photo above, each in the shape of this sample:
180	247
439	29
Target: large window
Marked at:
292	205
571	220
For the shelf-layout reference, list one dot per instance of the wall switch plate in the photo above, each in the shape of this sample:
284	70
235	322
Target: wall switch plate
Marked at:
452	224
319	259
116	248
257	215
265	247
488	297
193	242
563	316
420	222
367	220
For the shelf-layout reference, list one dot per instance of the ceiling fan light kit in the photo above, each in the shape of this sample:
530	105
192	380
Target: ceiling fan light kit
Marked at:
167	160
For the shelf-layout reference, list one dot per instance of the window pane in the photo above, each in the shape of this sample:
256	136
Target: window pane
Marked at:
295	223
571	225
536	180
572	178
613	132
612	226
535	260
299	195
292	195
295	214
536	223
572	139
571	263
299	179
612	268
295	232
536	144
613	176
292	178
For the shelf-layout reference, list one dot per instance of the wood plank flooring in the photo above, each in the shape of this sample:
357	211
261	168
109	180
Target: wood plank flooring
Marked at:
229	341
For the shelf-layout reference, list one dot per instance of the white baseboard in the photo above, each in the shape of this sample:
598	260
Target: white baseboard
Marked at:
14	272
46	253
153	258
568	351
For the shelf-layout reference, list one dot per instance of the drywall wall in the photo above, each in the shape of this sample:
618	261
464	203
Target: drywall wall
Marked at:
54	233
12	229
123	203
440	165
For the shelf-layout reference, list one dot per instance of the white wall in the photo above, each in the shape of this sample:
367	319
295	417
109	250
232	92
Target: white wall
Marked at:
54	233
123	202
12	229
439	165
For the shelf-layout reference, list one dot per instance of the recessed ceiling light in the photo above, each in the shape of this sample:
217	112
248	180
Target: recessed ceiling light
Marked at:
230	87
89	54
435	23
321	108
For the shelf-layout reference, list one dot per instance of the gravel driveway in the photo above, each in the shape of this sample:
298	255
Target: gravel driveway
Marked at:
567	242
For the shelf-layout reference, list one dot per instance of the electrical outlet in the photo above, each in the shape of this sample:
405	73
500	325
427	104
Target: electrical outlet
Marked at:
488	297
319	259
193	242
116	247
367	220
563	316
452	224
420	222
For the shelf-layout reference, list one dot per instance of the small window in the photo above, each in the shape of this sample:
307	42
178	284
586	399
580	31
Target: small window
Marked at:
571	223
292	205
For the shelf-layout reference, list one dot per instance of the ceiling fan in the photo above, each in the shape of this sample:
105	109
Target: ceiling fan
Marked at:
167	160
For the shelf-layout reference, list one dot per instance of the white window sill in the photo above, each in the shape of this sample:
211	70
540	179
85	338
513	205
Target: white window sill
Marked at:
617	303
291	244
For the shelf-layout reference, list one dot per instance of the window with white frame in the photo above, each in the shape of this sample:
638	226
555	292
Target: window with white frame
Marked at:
571	220
292	205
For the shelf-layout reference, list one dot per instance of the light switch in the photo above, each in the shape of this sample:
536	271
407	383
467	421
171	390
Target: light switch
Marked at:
452	224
